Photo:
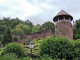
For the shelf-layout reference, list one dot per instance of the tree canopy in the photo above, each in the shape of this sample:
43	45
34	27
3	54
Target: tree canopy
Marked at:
76	31
48	25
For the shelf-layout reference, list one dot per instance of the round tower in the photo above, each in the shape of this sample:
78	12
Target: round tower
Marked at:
63	26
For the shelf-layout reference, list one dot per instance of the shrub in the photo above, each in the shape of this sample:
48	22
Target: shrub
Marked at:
27	42
9	56
77	49
58	47
15	39
13	48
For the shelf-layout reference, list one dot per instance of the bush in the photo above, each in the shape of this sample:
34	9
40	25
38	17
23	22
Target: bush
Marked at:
15	39
77	49
8	56
27	42
13	48
58	47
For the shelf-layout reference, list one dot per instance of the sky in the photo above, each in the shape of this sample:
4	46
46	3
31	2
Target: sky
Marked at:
38	11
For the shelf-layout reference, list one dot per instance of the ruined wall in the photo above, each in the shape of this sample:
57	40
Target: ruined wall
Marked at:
42	34
32	36
16	35
64	29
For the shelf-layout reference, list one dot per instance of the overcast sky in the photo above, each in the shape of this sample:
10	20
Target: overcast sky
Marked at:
38	11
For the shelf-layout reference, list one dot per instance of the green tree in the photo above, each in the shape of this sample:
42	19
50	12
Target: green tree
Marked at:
29	23
14	22
7	37
15	39
25	28
2	29
77	49
48	25
78	24
17	30
21	29
76	31
36	28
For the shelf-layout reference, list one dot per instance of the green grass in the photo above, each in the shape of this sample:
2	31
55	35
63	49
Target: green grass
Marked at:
35	51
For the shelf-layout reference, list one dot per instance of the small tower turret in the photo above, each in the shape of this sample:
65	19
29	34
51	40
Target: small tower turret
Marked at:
63	25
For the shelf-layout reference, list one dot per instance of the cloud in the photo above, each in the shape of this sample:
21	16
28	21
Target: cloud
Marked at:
38	11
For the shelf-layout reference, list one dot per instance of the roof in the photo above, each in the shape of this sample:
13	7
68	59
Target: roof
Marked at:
62	12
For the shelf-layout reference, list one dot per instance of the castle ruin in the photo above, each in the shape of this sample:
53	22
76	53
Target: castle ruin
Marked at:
63	27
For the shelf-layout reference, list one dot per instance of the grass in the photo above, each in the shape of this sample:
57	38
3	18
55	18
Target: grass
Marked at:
35	51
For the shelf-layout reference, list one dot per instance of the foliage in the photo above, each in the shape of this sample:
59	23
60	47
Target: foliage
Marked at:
76	31
25	28
77	49
10	56
21	29
15	39
7	37
1	37
77	24
17	30
2	29
13	48
48	25
36	28
0	43
58	47
14	22
13	57
10	23
27	42
29	23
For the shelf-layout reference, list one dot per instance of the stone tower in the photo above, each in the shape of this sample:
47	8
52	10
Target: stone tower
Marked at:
63	26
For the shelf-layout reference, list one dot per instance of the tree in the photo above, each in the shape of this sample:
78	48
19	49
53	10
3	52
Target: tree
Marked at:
15	39
48	25
76	31
78	24
21	29
29	23
7	36
2	29
25	28
36	28
14	22
17	30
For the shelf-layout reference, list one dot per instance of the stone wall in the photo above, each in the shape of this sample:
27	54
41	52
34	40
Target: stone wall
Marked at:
32	36
16	35
64	29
